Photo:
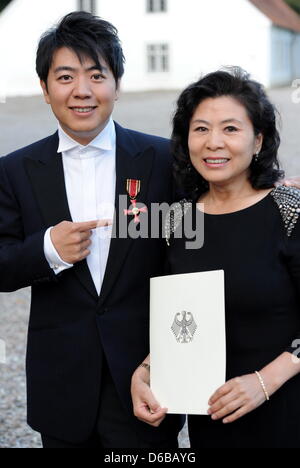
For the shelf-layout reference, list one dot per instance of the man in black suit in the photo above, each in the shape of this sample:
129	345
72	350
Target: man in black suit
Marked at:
88	327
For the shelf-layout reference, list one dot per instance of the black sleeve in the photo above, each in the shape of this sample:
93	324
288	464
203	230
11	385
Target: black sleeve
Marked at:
22	259
292	250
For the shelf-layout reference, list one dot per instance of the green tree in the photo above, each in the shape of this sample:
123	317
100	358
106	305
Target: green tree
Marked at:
3	4
295	4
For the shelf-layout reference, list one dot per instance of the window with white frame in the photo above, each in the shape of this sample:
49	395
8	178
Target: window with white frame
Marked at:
155	6
87	5
158	58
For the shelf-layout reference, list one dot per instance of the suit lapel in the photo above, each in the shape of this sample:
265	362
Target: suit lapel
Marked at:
131	163
46	174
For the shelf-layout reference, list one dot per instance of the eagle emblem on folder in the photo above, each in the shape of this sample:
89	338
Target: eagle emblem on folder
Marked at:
184	327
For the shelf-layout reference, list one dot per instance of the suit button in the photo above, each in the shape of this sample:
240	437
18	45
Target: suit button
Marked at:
102	311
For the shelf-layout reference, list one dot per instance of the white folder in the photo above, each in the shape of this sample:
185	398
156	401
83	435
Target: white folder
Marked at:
187	340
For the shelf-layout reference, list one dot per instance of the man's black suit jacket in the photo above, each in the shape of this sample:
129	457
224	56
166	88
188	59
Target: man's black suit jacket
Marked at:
71	328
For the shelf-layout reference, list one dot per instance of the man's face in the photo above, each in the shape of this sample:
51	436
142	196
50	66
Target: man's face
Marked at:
81	96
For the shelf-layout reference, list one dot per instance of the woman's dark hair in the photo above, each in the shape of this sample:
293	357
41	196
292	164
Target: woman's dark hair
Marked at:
88	36
233	82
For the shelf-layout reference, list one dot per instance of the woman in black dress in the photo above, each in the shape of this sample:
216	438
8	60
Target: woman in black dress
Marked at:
225	147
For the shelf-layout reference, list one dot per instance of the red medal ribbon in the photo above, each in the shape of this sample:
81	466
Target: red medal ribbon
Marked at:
133	188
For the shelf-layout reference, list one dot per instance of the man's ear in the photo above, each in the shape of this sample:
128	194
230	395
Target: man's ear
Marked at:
118	90
45	91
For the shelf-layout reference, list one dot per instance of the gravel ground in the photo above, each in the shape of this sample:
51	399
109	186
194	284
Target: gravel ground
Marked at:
14	432
24	120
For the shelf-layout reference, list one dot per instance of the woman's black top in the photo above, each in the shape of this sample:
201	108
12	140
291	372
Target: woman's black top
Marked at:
259	250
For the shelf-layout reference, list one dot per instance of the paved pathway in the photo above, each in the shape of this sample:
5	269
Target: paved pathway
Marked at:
24	120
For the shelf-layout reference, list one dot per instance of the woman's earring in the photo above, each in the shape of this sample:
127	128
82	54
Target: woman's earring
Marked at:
256	157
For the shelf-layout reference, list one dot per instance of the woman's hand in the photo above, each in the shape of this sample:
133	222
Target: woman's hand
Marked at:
236	398
239	396
145	406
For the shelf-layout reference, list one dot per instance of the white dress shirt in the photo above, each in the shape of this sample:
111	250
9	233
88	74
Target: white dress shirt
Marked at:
90	178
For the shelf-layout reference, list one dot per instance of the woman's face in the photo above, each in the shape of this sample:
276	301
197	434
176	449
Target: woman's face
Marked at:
222	140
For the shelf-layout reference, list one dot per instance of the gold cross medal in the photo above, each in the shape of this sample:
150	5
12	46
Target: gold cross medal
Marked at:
133	188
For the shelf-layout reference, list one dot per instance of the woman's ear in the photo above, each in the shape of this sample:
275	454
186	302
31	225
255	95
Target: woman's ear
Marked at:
258	143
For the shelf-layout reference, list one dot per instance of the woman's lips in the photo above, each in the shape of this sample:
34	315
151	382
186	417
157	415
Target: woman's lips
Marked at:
216	162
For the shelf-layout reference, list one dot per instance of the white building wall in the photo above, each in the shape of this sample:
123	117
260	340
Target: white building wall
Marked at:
21	25
222	33
136	29
281	56
296	56
203	36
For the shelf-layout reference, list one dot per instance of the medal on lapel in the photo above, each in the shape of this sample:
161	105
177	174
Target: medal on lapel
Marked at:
133	188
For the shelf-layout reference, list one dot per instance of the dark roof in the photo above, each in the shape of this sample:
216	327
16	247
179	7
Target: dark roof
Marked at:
280	13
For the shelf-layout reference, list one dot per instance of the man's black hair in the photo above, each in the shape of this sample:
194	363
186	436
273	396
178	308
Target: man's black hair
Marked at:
86	35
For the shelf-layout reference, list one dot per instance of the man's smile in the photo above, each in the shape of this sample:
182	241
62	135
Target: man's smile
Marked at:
83	110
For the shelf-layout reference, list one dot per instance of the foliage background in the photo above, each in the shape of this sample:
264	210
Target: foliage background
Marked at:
294	4
3	4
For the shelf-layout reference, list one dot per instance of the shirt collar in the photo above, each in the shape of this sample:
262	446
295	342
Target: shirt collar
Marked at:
105	140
